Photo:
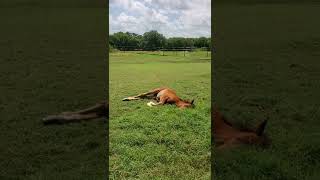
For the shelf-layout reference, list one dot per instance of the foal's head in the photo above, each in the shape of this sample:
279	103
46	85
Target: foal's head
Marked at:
227	135
254	136
185	104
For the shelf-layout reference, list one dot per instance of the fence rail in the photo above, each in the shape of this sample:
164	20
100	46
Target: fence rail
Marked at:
135	48
163	50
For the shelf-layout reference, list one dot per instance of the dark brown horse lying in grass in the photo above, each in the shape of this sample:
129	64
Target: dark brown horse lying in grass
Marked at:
226	135
162	96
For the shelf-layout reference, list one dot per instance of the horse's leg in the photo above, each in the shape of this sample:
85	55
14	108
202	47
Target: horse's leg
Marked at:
152	104
162	102
151	93
99	110
146	95
62	119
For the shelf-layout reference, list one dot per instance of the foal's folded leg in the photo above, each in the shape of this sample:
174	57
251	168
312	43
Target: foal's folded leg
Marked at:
162	102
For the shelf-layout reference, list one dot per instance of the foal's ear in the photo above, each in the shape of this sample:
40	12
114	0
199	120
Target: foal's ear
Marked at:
261	127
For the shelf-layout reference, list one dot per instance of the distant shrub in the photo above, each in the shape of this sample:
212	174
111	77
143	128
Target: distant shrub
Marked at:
112	49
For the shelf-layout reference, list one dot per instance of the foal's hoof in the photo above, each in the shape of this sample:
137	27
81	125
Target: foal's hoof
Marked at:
150	104
47	120
52	120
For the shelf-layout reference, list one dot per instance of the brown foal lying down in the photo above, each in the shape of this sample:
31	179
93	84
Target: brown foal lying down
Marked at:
226	135
162	96
99	110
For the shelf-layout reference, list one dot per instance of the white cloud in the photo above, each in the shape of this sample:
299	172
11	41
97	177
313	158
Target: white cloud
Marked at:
190	18
172	4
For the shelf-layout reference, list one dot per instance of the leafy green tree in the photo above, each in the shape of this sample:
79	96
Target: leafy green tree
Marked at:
125	41
201	42
152	40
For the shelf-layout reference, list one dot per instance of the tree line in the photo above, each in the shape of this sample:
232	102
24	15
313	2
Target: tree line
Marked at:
153	40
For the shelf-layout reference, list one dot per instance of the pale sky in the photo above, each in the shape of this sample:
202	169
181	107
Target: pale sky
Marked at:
172	18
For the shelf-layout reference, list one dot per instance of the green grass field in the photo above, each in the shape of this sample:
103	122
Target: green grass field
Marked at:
269	55
160	142
52	60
